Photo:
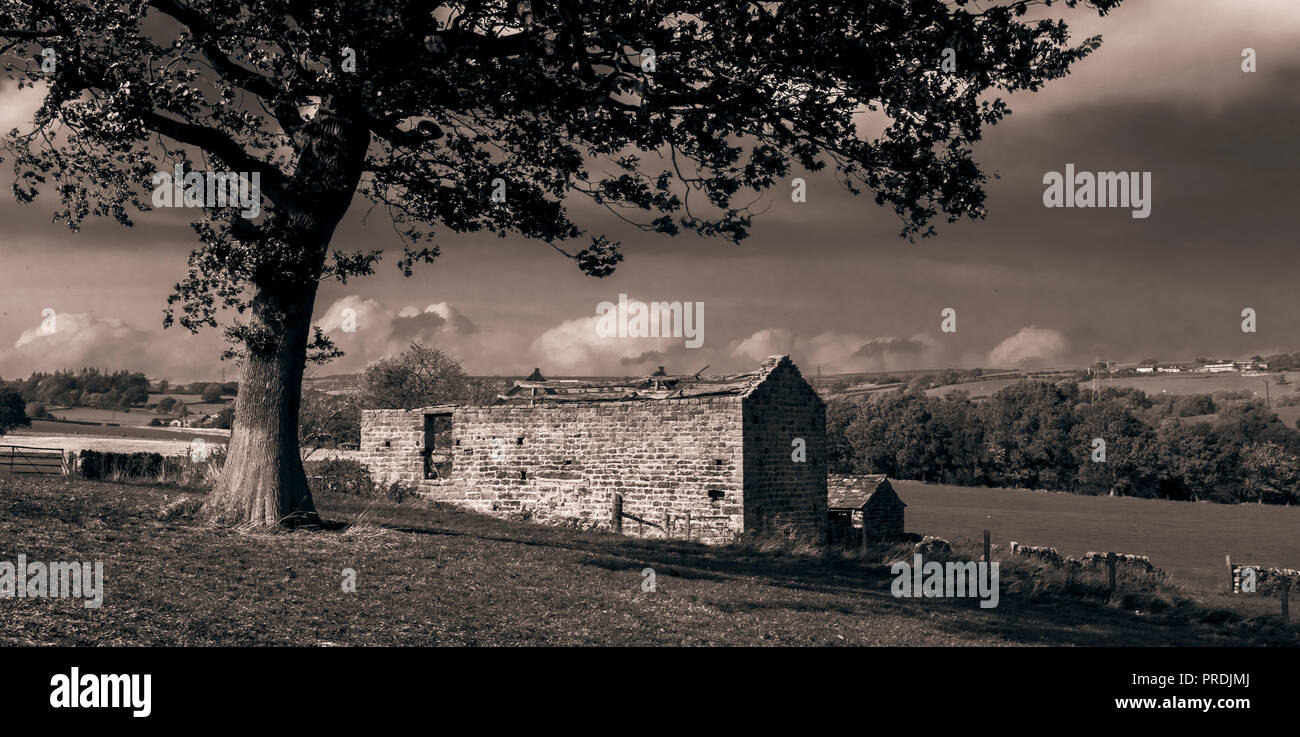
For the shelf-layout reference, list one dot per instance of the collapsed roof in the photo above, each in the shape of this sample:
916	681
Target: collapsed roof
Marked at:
655	386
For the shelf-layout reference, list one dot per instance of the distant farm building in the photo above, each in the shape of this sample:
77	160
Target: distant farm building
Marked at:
694	457
864	502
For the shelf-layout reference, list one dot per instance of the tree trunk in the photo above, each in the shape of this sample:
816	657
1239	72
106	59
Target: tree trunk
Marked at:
263	482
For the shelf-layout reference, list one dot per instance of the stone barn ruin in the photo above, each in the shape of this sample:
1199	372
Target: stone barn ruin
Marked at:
683	457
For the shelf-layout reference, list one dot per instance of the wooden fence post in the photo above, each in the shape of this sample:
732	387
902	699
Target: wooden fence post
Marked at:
988	549
688	527
1111	559
1232	579
1286	596
617	512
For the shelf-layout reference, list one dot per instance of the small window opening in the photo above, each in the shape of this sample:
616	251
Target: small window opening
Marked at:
715	495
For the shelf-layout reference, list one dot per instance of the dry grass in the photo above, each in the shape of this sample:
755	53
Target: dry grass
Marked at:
1186	539
437	575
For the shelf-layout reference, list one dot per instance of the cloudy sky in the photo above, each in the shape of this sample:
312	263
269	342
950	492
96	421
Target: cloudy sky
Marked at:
827	280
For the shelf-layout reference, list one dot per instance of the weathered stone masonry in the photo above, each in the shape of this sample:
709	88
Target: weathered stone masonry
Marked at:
713	455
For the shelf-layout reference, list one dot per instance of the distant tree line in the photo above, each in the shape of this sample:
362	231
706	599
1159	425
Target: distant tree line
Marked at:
1280	361
210	391
100	389
87	387
1041	435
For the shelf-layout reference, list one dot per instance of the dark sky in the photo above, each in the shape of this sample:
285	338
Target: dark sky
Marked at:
827	280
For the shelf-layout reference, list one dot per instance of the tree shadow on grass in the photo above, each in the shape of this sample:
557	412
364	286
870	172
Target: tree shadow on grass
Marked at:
1041	619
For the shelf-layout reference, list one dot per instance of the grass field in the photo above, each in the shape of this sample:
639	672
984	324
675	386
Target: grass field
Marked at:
1193	383
434	575
176	442
1288	415
1187	539
124	439
46	427
138	416
976	389
178	445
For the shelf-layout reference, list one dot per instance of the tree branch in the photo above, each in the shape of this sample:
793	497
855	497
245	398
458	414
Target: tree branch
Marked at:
285	110
218	144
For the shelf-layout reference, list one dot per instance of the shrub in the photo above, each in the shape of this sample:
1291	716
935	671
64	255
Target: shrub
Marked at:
399	492
1287	400
12	411
97	466
349	477
36	411
340	476
179	470
225	419
185	471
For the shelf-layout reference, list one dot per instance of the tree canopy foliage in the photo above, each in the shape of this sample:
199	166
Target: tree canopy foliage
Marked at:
420	376
13	411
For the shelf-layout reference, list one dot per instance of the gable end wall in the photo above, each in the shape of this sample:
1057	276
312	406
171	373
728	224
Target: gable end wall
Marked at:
781	493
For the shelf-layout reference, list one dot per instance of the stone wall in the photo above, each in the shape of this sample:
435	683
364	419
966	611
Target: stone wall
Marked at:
391	441
563	463
780	492
884	514
715	465
1268	579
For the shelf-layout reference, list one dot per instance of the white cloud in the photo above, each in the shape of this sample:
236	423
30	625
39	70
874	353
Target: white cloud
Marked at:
764	343
75	340
19	105
843	352
377	331
1030	346
574	346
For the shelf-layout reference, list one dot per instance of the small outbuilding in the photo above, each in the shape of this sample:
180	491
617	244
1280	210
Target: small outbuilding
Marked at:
864	501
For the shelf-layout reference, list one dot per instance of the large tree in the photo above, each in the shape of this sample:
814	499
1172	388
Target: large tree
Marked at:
420	376
673	114
13	411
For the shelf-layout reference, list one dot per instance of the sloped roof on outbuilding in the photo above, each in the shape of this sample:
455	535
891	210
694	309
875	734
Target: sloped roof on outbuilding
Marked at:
852	491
